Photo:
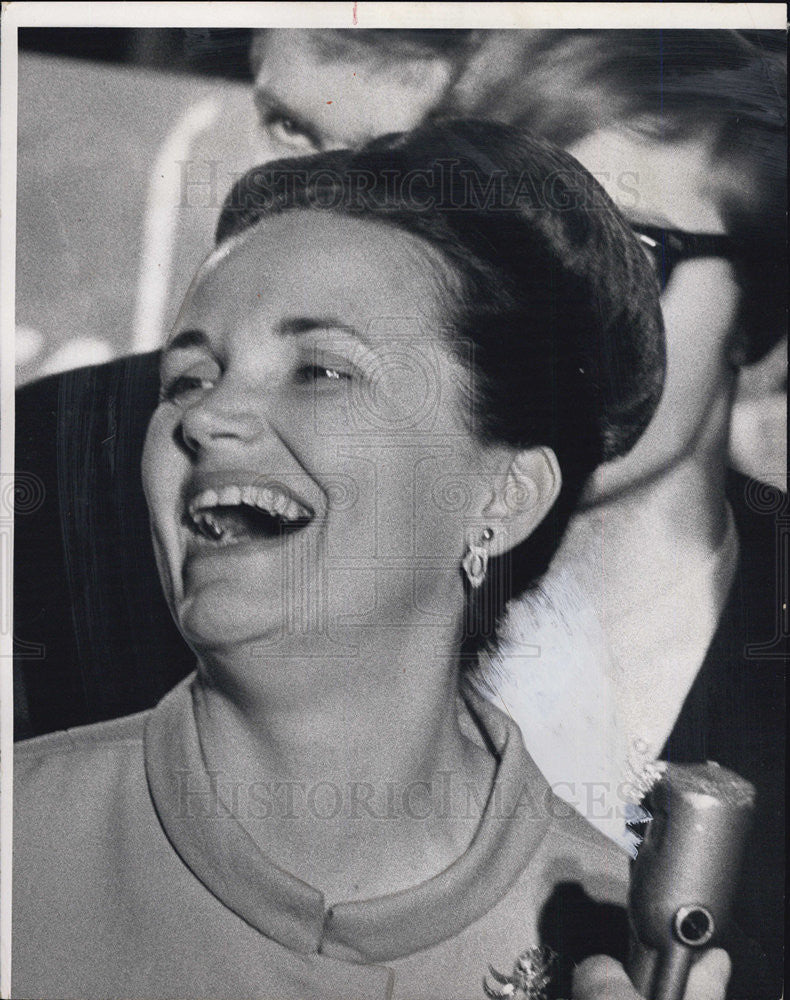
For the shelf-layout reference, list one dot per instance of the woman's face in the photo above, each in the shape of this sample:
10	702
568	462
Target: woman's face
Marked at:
304	466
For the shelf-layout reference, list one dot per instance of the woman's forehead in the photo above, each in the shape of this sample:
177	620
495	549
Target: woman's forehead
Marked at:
303	260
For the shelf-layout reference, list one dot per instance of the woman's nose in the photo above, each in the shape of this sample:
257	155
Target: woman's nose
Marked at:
220	418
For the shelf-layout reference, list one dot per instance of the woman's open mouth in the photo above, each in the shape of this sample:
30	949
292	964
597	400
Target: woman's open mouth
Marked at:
232	515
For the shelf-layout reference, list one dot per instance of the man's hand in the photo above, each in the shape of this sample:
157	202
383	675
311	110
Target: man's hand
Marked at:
601	978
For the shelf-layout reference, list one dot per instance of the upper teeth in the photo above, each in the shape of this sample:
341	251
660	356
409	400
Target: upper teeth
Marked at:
270	498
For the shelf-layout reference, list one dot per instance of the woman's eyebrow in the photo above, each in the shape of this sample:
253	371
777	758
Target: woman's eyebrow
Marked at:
305	324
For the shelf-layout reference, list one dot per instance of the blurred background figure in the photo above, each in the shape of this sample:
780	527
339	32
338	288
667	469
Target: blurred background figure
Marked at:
378	80
687	130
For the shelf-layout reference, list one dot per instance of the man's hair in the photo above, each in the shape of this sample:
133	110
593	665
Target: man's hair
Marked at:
726	87
558	308
393	43
382	48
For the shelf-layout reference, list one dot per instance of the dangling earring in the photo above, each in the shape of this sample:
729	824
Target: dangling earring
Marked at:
475	561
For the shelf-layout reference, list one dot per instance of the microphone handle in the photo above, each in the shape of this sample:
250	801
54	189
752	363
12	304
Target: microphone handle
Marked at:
659	976
685	873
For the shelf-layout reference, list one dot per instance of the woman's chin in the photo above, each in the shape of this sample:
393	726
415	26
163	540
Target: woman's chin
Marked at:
217	618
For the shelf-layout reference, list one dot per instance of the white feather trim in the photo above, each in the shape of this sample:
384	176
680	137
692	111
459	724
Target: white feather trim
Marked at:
552	671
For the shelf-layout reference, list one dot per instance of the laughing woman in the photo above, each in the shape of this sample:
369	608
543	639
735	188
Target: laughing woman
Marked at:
381	398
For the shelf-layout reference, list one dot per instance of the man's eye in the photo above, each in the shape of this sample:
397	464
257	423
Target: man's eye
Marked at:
182	387
287	131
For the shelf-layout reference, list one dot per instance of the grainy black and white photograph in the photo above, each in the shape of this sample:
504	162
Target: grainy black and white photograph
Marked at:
394	520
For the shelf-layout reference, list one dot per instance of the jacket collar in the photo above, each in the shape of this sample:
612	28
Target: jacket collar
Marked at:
215	846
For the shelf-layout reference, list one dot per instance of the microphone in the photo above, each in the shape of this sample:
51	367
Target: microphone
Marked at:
685	872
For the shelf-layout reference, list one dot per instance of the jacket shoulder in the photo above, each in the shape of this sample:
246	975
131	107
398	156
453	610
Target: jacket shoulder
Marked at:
97	738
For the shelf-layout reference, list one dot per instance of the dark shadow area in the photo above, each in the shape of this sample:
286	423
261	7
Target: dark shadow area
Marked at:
219	52
575	927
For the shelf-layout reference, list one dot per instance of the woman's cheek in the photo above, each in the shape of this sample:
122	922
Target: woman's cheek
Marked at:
160	462
164	469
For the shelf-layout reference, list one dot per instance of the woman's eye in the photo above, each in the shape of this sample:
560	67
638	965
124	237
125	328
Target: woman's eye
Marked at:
182	387
322	373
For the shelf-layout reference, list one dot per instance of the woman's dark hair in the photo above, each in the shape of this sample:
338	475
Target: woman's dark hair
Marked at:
558	306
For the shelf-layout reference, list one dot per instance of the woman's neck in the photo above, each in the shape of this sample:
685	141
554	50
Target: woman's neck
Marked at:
358	754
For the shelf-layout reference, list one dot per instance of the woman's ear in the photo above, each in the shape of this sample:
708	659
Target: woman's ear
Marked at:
523	498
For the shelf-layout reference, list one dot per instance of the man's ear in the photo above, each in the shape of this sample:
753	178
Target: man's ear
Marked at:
523	498
758	419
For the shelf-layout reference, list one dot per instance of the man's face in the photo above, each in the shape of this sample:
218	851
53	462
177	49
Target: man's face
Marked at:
309	101
674	185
